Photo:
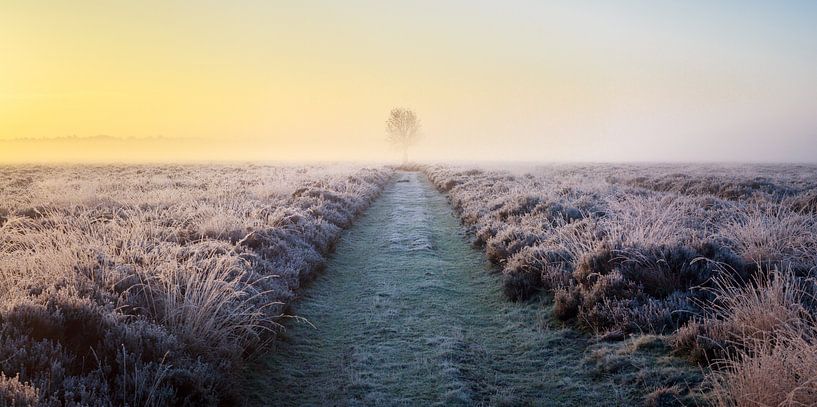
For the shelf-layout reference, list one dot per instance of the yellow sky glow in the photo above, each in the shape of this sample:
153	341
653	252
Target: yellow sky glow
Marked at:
518	81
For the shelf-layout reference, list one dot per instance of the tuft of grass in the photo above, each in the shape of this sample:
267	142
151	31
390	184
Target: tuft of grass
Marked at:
782	372
742	315
13	392
209	304
772	236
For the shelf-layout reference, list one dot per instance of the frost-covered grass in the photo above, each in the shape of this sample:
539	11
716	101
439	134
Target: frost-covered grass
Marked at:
151	285
409	315
629	250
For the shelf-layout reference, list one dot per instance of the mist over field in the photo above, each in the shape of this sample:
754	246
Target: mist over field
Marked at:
634	81
135	150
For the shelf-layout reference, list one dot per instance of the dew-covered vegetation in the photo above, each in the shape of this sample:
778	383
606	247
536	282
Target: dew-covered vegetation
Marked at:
720	261
152	285
409	314
596	285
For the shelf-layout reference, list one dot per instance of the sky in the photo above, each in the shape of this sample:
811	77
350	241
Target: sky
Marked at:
501	81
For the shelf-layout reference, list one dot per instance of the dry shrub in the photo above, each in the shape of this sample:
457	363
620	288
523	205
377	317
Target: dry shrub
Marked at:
773	236
643	220
517	206
746	313
727	182
769	307
72	350
486	232
566	303
207	303
521	284
15	393
218	225
782	372
510	241
645	289
803	203
534	268
664	269
578	238
549	265
761	338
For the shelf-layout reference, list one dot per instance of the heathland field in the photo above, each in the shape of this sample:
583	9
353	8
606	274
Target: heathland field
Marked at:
716	262
551	285
410	314
152	285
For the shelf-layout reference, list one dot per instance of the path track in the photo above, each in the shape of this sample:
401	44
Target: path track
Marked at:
407	313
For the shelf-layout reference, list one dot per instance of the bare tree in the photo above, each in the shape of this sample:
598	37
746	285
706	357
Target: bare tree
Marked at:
402	129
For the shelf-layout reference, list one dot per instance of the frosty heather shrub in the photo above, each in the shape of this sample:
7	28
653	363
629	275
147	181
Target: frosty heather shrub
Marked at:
150	285
650	289
566	303
533	268
742	314
740	183
510	241
801	203
773	236
775	374
720	257
761	337
638	220
206	303
15	393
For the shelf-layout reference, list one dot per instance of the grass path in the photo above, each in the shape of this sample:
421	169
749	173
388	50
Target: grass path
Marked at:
407	313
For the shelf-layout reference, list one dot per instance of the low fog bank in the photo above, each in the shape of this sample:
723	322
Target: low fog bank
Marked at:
155	150
433	149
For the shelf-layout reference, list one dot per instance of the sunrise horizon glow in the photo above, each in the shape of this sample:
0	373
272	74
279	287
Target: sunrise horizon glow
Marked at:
313	81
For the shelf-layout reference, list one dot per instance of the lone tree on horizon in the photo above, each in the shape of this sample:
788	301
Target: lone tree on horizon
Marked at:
402	129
